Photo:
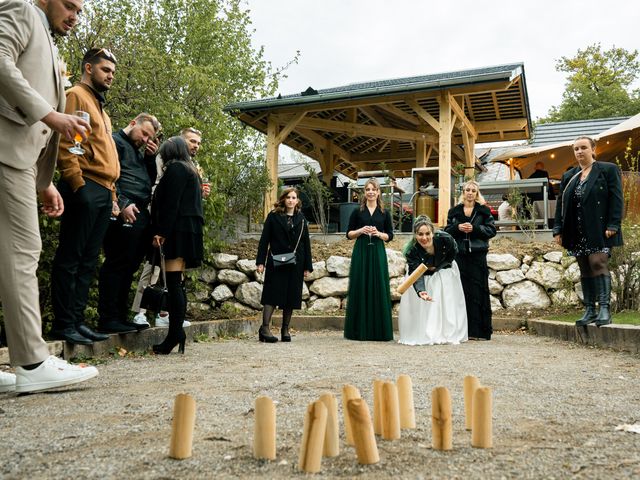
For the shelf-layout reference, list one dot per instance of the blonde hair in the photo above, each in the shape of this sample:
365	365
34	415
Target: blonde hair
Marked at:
479	198
363	200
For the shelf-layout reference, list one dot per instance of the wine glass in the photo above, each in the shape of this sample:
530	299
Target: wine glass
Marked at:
77	146
124	202
370	242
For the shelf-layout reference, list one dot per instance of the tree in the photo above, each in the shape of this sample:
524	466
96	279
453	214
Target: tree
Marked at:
598	85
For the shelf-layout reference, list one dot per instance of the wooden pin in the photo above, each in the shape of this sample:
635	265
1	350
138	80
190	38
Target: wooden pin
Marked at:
390	412
377	406
441	421
315	425
470	385
411	279
264	434
363	436
184	420
482	425
349	392
332	433
405	399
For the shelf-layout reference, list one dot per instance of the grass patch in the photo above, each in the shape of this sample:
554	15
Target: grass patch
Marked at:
626	318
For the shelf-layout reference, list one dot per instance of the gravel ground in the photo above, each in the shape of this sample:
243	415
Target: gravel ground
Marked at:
556	406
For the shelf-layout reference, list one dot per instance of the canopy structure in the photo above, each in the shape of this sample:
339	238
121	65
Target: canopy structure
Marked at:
557	157
431	120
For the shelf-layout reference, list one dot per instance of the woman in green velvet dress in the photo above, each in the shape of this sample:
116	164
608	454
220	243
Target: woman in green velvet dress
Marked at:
369	299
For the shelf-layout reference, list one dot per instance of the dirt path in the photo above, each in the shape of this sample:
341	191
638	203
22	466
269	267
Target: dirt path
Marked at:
555	409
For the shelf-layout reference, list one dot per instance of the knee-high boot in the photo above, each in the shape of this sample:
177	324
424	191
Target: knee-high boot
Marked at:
603	287
285	336
177	309
589	294
264	334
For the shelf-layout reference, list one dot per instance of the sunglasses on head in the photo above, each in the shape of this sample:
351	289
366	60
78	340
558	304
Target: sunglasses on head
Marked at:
106	53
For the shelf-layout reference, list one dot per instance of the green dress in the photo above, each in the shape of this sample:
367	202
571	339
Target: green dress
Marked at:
369	298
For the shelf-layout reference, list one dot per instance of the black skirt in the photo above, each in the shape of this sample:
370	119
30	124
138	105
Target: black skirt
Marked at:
187	245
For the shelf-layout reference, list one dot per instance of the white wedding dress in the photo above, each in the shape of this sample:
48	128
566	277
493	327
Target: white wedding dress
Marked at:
442	320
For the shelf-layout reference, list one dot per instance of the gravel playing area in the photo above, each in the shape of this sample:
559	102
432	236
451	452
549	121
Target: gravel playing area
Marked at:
555	409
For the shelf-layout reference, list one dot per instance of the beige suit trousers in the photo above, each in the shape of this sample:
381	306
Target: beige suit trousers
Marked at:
20	247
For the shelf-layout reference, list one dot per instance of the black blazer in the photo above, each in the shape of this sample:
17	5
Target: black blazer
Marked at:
381	220
483	223
278	237
602	206
445	250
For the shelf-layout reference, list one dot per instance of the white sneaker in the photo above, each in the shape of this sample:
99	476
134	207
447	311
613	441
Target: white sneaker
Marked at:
7	382
53	373
141	319
163	321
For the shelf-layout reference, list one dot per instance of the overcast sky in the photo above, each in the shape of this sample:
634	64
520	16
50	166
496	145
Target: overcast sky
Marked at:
349	41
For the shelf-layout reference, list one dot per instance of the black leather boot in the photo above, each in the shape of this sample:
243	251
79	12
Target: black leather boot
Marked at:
264	334
589	294
177	310
603	289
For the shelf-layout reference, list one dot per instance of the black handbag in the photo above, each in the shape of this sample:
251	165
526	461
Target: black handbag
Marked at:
154	296
282	259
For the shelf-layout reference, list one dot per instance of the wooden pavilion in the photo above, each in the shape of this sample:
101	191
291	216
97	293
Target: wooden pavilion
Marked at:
432	120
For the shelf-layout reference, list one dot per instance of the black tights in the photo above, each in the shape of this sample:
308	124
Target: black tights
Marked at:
593	265
177	305
267	312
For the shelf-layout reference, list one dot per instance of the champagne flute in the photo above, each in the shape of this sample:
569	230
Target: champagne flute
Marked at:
370	242
123	203
77	146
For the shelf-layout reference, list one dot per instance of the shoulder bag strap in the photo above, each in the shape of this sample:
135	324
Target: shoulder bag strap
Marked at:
300	236
163	269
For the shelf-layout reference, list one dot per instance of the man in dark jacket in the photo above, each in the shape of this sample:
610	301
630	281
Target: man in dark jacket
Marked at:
128	237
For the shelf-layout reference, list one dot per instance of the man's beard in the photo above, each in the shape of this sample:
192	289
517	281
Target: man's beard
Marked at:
98	87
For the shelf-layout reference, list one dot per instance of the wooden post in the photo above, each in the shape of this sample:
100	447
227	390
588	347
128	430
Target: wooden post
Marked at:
349	392
441	421
421	154
264	435
444	164
315	425
363	436
481	432
390	412
405	398
332	433
328	163
470	385
184	420
377	406
271	195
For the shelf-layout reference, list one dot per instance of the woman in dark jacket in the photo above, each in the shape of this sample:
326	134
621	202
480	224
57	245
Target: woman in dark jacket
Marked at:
472	225
369	298
588	218
285	231
177	222
433	311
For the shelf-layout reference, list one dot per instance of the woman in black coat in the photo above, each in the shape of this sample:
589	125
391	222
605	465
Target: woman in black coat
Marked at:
285	231
588	220
472	225
176	222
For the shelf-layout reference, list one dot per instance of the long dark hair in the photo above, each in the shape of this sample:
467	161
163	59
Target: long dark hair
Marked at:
175	150
279	206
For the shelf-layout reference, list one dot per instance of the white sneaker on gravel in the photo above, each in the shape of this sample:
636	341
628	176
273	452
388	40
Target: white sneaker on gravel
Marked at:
141	319
7	382
163	321
52	373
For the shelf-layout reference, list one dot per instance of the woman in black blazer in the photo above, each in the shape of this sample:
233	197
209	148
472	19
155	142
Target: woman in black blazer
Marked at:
177	220
588	224
472	225
285	230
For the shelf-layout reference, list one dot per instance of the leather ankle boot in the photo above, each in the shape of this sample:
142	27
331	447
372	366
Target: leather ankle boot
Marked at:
589	294
603	287
264	334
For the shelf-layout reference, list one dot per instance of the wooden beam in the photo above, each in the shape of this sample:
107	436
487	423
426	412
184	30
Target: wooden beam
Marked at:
423	114
329	163
421	154
501	125
401	114
469	154
290	126
271	195
375	116
356	130
318	139
352	115
461	116
444	160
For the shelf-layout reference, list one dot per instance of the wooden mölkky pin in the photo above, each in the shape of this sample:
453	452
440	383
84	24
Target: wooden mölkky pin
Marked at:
390	412
441	421
405	399
377	406
264	434
482	424
411	279
184	420
470	385
362	428
315	425
332	433
349	392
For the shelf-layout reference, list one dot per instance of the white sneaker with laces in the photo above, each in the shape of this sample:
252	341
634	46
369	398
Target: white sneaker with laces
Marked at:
141	319
163	321
52	373
7	382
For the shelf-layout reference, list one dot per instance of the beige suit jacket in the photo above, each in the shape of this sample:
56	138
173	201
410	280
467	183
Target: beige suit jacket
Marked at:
31	86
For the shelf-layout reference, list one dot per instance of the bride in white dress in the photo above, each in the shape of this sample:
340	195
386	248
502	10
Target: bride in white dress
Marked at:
433	311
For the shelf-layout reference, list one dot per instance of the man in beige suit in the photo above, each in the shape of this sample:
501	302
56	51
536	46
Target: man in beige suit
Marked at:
31	101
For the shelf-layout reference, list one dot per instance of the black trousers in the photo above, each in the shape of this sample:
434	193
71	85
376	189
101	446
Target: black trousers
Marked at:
124	250
84	223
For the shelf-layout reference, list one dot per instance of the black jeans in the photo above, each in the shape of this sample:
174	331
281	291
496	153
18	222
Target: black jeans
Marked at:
124	250
84	223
